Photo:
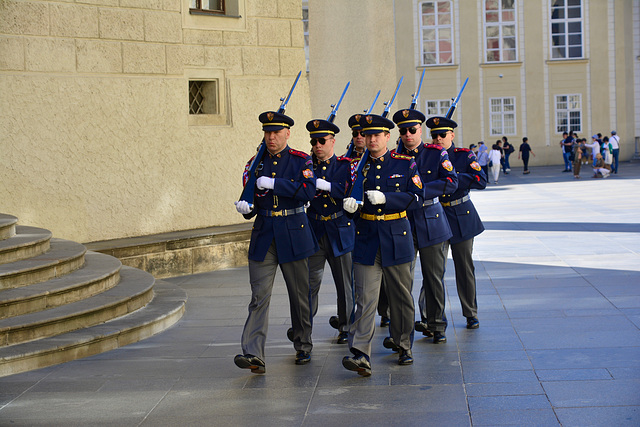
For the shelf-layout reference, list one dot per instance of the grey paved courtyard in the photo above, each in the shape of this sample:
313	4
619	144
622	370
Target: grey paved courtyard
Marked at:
558	273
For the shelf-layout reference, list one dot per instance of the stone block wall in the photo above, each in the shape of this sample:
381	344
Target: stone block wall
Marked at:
96	137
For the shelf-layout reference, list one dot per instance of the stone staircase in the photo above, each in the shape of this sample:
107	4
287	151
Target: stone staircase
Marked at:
60	302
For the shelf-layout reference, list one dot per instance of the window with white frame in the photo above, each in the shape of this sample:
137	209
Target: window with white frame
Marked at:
437	107
503	116
568	113
500	30
436	32
566	29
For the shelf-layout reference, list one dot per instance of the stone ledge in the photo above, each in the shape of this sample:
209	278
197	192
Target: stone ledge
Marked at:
181	253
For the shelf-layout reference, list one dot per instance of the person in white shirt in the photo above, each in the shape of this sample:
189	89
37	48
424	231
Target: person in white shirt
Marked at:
494	159
595	148
615	145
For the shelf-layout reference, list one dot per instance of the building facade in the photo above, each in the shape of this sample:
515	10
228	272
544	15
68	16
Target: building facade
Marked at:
535	68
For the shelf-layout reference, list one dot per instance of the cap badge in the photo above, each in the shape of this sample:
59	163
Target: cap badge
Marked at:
405	113
436	121
316	123
270	116
369	119
358	117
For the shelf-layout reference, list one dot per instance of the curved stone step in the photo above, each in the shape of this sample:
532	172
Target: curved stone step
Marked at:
99	273
7	226
134	291
63	257
165	309
28	242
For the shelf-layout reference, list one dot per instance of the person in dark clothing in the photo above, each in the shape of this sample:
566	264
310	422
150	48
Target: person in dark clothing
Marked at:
525	149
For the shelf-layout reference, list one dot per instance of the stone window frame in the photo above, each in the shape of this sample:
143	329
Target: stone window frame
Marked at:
232	20
220	114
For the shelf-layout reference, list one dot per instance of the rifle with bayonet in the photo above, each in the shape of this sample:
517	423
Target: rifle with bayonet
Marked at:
455	100
247	192
357	191
334	107
414	102
349	152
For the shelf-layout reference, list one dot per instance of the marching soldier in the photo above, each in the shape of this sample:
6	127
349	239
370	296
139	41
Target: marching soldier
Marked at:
281	236
334	230
357	137
463	218
384	245
428	224
356	154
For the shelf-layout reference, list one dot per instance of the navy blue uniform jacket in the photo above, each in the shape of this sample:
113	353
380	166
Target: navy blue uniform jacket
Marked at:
463	219
340	231
397	177
294	186
429	224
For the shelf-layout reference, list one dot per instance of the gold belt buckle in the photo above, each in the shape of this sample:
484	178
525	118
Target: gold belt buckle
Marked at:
325	218
379	217
276	213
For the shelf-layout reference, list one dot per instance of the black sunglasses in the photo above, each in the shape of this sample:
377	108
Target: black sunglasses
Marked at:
355	133
412	130
436	135
314	141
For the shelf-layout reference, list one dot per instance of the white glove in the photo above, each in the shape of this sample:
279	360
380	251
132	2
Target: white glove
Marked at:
350	205
323	185
242	207
376	197
265	183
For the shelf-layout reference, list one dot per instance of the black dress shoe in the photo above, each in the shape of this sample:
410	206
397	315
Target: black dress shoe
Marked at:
384	322
422	327
343	337
438	337
359	364
334	321
405	357
390	344
472	323
249	361
290	334
302	357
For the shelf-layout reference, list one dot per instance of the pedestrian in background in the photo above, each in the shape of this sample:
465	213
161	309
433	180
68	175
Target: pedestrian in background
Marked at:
524	151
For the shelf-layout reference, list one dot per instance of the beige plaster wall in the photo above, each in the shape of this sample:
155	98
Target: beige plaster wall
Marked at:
95	137
350	41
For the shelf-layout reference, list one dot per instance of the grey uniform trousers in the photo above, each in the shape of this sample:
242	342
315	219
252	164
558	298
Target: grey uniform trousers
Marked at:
465	276
261	276
367	280
341	272
432	294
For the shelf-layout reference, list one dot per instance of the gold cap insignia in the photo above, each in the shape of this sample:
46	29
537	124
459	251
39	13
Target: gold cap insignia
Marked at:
270	116
436	121
358	117
405	113
316	123
369	119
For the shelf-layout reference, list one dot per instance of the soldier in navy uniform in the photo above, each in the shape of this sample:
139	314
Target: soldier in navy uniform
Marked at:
333	229
462	215
281	235
384	245
429	224
357	137
356	154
